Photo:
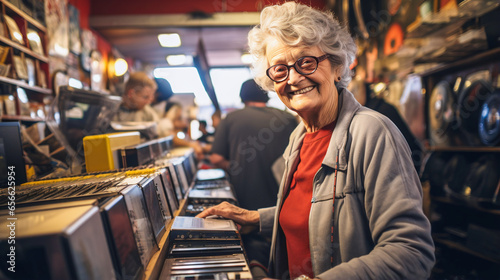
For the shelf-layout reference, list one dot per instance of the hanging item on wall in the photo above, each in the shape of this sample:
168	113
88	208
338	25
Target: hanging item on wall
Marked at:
393	39
74	30
56	15
89	43
393	6
441	113
489	121
96	71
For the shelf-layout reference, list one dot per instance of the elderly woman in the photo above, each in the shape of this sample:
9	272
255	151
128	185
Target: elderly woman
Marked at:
350	201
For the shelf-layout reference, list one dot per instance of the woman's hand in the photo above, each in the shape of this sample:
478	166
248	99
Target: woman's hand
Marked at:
229	211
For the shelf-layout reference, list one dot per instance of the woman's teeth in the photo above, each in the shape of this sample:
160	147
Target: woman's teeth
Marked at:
304	90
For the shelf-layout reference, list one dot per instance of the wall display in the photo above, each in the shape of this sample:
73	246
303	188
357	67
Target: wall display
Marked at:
56	15
393	39
470	102
24	106
393	6
4	70
15	33
441	112
4	52
2	29
75	44
489	120
41	80
30	70
10	104
20	66
34	41
89	43
96	71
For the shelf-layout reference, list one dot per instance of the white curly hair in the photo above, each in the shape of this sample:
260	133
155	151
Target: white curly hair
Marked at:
295	24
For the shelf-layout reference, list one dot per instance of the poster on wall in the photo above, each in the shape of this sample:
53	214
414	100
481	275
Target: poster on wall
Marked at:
89	43
74	30
56	15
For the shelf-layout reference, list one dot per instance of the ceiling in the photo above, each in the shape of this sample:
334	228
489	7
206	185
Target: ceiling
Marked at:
135	36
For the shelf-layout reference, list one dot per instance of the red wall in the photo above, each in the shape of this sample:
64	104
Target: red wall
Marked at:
134	7
84	6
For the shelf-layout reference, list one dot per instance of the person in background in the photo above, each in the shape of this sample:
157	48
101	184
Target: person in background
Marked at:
162	95
216	118
366	97
139	93
175	122
206	137
350	201
247	143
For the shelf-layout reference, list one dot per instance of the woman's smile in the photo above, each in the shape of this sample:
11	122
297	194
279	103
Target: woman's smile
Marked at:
302	91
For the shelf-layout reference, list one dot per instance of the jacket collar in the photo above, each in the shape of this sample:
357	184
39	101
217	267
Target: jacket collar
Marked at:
347	109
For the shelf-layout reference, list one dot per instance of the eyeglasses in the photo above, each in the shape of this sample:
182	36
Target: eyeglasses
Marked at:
305	65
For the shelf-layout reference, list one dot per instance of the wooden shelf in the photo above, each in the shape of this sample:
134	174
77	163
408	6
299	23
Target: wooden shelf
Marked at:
20	118
24	49
447	200
24	85
28	18
461	149
492	54
462	248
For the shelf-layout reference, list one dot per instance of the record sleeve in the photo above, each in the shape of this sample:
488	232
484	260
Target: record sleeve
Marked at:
15	33
34	41
20	66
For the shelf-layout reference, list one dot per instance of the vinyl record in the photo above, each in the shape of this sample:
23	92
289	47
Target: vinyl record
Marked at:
489	121
470	103
441	112
393	39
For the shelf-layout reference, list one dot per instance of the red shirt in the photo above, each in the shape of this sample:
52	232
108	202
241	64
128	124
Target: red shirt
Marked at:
294	215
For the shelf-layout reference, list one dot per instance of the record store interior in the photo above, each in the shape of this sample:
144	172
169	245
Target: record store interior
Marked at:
88	194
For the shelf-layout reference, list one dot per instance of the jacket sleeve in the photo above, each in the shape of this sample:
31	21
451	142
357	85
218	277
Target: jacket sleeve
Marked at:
401	233
266	220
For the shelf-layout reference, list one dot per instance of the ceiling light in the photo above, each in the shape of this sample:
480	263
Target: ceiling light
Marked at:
121	67
171	40
179	59
246	58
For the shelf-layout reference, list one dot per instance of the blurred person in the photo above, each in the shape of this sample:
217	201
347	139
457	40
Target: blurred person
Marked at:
174	123
350	201
139	93
206	137
216	118
247	143
162	95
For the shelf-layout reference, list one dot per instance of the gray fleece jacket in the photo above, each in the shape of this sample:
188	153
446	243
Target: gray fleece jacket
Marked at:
380	230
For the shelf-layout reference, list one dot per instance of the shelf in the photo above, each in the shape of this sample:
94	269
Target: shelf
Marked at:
462	248
457	202
20	118
28	18
439	23
24	49
490	55
461	149
24	85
